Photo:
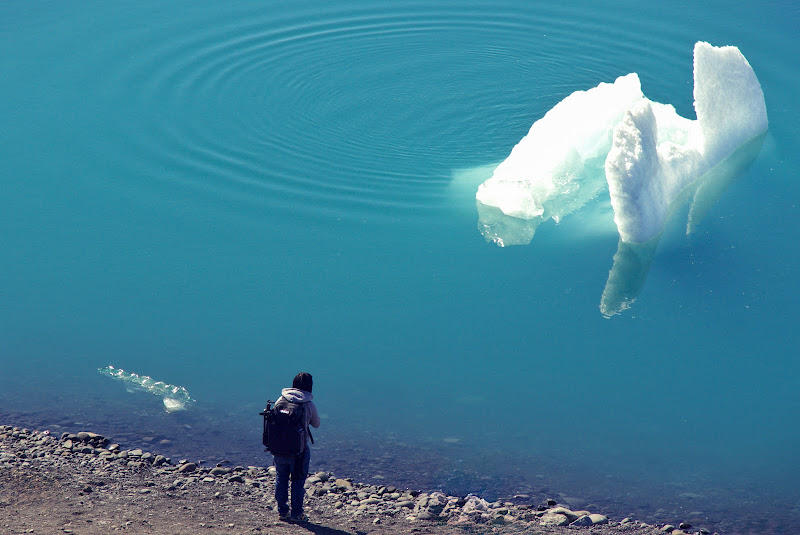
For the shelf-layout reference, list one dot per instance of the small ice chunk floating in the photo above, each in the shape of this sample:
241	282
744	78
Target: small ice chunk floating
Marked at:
175	398
643	151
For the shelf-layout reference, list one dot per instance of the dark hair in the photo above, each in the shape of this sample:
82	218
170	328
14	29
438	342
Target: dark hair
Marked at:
303	381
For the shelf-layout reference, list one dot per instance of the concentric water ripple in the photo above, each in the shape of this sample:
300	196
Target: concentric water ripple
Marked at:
345	111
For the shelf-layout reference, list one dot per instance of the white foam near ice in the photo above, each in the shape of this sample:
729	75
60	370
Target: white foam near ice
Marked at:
644	151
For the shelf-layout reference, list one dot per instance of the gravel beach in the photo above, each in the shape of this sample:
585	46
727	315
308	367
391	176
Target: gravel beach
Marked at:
81	483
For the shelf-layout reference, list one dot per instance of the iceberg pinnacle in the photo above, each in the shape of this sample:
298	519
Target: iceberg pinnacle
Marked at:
644	151
728	100
647	171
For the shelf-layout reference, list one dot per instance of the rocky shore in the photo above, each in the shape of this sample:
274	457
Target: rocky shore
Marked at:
82	483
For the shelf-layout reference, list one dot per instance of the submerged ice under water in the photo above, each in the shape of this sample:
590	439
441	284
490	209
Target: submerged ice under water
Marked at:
175	398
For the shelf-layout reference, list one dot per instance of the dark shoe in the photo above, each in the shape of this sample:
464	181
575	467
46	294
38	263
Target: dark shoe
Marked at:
302	519
284	517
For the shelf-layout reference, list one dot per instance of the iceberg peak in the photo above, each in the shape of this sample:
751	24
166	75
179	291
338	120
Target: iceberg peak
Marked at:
647	171
728	100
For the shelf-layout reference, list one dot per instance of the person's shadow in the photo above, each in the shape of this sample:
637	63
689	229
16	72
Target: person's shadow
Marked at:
326	530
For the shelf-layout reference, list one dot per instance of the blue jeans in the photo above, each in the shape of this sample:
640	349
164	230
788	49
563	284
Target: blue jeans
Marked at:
297	470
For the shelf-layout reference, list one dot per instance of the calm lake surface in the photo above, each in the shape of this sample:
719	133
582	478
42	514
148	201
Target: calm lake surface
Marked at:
222	194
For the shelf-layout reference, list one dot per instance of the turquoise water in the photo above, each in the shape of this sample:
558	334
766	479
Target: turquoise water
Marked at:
222	194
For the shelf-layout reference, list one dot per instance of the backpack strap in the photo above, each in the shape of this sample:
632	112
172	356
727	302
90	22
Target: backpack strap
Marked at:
308	425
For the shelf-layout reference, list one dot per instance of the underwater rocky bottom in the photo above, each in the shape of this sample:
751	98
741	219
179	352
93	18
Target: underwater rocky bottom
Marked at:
212	437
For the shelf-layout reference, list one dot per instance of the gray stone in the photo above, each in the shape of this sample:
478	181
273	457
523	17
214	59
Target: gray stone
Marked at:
598	520
407	503
583	521
343	484
220	471
187	467
553	519
571	515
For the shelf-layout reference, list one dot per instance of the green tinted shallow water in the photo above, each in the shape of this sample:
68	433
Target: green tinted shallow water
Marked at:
221	195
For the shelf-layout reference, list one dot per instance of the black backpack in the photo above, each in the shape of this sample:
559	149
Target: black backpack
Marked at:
284	428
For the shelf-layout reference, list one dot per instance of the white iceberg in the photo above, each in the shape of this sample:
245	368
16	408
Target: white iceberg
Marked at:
644	151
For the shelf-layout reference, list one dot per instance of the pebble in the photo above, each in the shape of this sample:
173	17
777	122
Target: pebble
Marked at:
343	484
187	467
218	471
571	515
583	521
554	519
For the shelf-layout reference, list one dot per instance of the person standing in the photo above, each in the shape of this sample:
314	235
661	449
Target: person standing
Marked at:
296	468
